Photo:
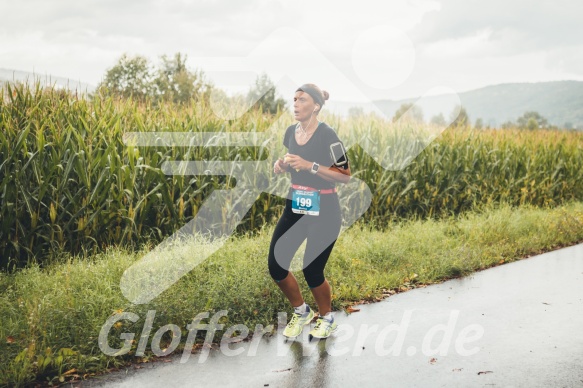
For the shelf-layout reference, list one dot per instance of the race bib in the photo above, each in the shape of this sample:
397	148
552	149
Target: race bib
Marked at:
306	202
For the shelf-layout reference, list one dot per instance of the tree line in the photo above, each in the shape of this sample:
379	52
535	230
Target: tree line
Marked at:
459	117
171	80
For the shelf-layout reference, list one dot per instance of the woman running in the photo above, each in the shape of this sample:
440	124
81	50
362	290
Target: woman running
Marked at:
316	159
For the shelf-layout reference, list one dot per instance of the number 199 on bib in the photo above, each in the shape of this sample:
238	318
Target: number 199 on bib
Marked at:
304	202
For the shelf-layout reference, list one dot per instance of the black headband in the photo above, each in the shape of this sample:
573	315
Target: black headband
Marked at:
316	95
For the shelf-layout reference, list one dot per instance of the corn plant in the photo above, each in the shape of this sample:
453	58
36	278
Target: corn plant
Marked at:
68	182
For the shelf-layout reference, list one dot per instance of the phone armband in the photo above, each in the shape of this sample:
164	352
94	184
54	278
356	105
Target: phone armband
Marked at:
338	154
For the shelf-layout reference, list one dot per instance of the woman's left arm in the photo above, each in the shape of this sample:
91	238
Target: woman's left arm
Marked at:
333	174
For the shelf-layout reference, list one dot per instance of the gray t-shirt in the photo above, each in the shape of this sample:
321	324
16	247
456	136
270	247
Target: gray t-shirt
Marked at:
317	149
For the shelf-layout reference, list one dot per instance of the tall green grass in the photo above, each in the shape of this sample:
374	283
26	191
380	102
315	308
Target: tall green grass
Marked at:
69	183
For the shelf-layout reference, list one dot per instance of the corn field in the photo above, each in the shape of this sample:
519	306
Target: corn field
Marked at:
68	182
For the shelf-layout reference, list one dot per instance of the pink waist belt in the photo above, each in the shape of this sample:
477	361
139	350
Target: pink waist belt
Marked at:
322	191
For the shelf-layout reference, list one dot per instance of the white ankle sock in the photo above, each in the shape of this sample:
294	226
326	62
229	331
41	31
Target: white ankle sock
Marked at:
301	309
329	316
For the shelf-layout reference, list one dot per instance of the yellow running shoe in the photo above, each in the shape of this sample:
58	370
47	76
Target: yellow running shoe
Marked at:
323	328
297	322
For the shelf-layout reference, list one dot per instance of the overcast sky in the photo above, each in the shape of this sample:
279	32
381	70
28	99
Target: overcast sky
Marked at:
356	50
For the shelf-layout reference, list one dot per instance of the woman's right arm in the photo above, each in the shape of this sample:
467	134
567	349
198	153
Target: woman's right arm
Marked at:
279	167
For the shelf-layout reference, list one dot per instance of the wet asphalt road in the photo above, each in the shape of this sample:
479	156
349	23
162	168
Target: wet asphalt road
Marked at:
516	325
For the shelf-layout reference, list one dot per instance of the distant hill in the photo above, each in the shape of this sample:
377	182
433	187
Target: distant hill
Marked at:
559	102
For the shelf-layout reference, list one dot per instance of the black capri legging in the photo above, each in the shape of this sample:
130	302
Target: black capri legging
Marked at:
291	231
